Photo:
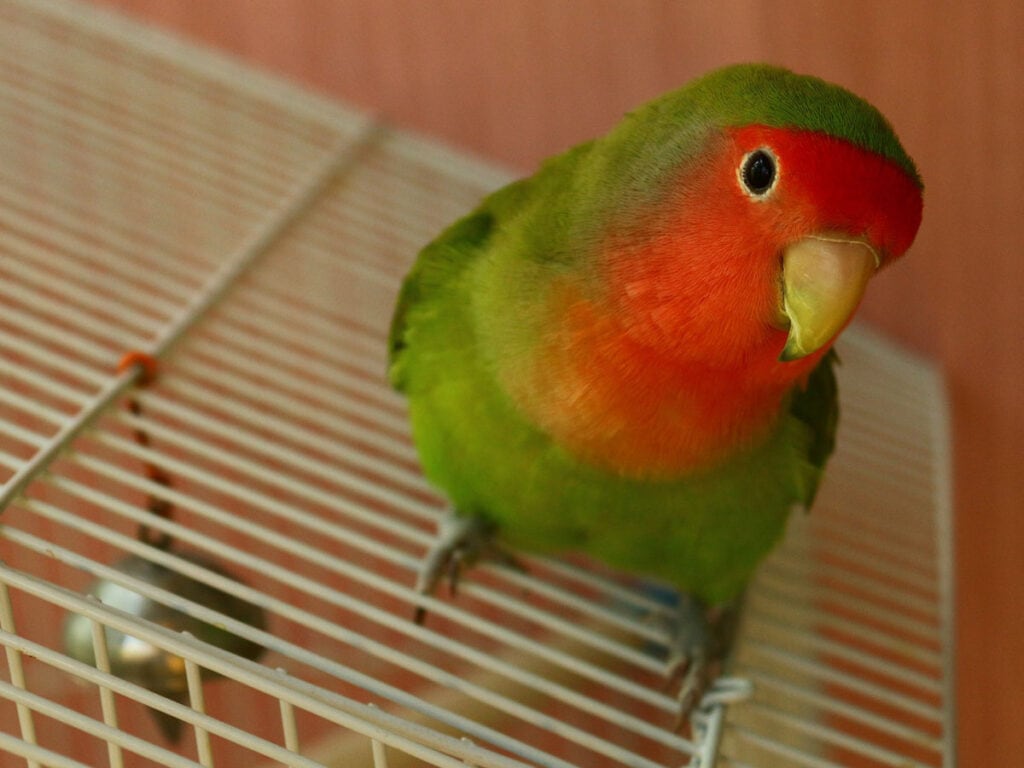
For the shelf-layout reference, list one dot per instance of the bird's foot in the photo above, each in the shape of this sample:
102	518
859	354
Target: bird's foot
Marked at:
462	541
700	641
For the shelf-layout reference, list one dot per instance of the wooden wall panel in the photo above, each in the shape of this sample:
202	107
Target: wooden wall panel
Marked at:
516	80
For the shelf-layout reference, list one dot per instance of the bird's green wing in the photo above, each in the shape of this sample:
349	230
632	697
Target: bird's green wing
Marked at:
447	254
440	264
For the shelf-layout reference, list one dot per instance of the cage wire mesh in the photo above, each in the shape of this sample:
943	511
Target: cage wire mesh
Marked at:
159	198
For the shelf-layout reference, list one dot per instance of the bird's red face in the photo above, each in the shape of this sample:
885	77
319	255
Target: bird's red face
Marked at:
764	252
825	184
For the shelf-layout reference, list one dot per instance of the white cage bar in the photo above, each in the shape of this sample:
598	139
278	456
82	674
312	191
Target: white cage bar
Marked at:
159	198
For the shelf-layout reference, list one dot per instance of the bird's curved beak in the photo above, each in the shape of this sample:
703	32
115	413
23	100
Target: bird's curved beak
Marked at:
823	280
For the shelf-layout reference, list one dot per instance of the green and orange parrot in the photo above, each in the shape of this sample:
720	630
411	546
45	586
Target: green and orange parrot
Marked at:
628	354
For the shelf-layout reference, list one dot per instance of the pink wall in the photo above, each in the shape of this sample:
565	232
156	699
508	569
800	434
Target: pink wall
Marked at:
519	79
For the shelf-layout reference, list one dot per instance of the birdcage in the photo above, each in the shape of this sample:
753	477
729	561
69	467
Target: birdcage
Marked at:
210	560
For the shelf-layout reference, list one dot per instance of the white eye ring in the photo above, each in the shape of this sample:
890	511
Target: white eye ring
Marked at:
758	172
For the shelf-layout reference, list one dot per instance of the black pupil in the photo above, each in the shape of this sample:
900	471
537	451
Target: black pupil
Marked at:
759	172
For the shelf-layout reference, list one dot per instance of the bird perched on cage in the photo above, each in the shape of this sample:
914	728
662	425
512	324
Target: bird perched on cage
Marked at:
629	354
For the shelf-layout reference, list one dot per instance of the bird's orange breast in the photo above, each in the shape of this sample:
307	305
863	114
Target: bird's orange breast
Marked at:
617	404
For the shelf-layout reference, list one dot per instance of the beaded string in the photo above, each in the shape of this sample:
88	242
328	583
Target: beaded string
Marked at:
155	504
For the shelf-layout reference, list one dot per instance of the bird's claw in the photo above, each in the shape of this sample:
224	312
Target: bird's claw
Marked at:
698	648
462	540
695	675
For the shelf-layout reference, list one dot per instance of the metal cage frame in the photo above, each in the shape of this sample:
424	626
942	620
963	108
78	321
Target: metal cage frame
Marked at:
161	198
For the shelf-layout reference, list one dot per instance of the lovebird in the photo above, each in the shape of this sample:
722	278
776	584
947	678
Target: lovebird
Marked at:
628	354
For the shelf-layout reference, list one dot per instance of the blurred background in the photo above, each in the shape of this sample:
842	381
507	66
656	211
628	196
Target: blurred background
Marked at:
517	80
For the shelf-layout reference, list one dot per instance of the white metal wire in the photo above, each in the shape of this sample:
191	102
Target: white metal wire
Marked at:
155	197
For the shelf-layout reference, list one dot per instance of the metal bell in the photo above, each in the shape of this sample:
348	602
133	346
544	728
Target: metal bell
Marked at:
145	664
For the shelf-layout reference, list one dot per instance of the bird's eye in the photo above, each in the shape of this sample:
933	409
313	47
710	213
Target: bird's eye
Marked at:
758	172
